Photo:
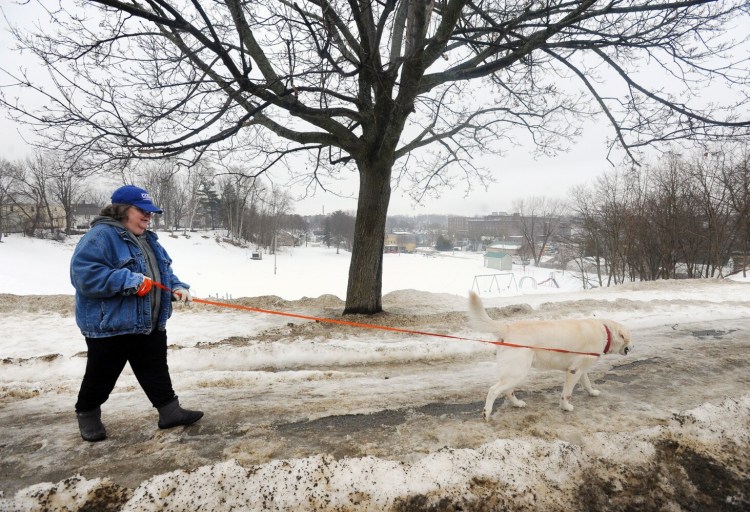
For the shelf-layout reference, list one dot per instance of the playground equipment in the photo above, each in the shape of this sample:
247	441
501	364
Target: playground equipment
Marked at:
525	279
506	280
551	280
490	280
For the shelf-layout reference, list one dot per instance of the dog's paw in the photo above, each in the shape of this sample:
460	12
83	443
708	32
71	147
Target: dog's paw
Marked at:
566	406
486	415
595	392
518	403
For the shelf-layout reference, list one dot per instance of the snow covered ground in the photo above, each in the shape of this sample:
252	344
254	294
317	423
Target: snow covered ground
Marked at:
305	415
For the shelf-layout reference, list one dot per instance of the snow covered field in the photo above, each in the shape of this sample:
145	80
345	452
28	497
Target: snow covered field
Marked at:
315	416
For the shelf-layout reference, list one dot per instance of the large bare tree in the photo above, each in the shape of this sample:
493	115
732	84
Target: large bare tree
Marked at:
67	184
540	222
403	92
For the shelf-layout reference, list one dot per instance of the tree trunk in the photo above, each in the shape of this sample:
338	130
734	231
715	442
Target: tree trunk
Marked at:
364	290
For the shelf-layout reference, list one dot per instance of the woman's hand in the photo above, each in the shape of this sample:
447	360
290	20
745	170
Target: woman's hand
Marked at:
145	287
182	295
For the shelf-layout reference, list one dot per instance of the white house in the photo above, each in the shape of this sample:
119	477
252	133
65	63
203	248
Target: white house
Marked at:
498	260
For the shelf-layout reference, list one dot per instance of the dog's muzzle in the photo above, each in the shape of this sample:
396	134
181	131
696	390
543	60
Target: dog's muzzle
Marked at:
626	350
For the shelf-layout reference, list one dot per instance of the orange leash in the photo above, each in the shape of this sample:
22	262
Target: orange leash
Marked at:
379	327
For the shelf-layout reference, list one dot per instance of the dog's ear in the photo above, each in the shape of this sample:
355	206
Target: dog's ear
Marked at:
624	334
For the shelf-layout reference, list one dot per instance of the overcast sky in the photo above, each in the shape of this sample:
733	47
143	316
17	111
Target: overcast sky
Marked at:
518	175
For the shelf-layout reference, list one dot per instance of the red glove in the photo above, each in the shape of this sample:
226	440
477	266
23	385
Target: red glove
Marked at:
145	287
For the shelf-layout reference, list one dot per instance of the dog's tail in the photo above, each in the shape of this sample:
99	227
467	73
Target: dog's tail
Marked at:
479	320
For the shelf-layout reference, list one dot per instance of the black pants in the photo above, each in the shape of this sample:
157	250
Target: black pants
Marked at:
147	355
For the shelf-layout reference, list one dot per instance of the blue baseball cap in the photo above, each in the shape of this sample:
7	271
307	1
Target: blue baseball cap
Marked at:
130	194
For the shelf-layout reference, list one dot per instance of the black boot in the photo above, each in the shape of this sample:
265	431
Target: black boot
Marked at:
90	425
172	415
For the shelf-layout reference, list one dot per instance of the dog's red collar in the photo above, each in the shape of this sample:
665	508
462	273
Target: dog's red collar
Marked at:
609	339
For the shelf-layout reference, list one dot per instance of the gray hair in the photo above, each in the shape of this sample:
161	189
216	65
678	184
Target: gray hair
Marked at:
117	211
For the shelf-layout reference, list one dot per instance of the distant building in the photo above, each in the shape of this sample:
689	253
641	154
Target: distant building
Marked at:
83	214
497	225
400	241
288	239
25	217
509	248
504	226
498	260
459	226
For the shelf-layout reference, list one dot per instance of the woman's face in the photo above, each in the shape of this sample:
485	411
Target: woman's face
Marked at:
136	220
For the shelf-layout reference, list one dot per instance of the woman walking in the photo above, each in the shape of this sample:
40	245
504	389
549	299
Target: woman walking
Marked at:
121	313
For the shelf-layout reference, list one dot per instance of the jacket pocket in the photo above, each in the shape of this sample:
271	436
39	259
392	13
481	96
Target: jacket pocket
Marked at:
118	313
128	263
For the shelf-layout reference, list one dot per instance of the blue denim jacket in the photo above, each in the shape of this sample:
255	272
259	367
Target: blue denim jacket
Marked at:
104	270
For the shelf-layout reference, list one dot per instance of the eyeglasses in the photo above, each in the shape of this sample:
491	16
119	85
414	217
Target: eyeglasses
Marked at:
143	212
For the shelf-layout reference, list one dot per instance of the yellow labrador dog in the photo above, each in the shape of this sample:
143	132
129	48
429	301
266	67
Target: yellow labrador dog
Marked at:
572	346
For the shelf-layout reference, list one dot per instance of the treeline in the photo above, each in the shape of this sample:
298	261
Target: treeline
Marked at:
687	216
45	194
